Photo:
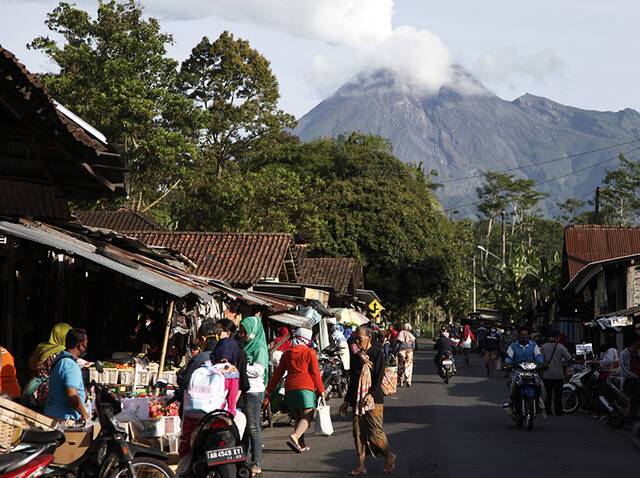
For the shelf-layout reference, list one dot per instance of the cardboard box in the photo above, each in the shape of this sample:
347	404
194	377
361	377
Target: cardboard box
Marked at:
77	442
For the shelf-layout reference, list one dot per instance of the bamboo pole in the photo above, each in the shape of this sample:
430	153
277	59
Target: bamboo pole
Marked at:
165	341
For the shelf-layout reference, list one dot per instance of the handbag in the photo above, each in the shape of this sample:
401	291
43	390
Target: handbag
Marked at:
545	364
322	417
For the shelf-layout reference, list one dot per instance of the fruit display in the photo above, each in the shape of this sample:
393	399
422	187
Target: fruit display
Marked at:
158	408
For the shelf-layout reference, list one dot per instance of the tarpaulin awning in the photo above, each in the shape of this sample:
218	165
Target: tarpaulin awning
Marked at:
292	320
136	266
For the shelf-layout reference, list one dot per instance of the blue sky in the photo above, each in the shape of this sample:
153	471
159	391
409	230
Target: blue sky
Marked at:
578	52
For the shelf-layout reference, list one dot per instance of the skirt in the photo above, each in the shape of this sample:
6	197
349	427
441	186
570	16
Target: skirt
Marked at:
300	399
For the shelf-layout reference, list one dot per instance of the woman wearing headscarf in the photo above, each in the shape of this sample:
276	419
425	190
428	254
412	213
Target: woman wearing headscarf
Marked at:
41	362
366	398
255	347
279	345
406	343
302	385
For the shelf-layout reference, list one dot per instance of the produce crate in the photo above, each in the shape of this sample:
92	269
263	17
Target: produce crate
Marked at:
170	376
171	425
154	427
15	418
127	377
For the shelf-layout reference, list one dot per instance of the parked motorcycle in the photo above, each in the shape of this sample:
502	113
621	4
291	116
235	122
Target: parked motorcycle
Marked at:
617	403
579	391
528	387
334	377
111	454
217	450
31	459
447	367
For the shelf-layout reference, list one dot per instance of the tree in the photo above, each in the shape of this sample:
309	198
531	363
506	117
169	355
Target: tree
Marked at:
238	96
114	73
620	194
571	210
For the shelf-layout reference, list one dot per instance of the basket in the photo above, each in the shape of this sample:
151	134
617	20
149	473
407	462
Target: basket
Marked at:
154	427
143	378
15	418
127	378
171	425
170	376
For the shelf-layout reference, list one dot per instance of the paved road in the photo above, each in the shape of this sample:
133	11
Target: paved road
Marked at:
461	430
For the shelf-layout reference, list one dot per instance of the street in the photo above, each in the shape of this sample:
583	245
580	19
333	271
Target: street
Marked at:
450	431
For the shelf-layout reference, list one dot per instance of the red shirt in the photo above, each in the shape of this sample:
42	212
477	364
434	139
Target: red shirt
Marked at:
301	365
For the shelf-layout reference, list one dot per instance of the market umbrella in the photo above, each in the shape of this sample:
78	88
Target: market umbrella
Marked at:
349	316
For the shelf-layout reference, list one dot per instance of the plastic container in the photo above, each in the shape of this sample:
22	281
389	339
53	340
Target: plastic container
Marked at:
171	425
127	378
154	427
172	441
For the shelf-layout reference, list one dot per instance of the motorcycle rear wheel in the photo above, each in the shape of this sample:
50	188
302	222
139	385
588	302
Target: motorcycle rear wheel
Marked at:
146	468
570	401
616	420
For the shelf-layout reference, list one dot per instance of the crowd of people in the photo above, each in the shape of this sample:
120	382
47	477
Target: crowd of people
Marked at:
253	368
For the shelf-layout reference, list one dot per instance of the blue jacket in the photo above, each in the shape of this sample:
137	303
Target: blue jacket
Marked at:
517	353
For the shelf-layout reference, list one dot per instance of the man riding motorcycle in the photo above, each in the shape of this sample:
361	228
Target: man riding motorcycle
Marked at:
443	345
522	350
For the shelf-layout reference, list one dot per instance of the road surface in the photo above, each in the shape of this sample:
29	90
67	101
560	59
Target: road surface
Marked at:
458	430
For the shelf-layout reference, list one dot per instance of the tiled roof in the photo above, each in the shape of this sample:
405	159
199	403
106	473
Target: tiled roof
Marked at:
122	221
589	243
344	274
82	164
241	259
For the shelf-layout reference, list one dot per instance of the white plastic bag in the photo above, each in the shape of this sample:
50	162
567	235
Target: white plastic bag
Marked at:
322	417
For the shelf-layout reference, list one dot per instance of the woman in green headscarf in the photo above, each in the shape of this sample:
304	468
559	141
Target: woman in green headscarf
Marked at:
41	363
255	348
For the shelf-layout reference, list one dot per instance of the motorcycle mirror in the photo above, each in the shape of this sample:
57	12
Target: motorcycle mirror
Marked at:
99	367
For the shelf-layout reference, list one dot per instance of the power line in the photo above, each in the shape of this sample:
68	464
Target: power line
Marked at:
546	181
529	165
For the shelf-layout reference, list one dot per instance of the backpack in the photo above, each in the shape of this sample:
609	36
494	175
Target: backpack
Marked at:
206	390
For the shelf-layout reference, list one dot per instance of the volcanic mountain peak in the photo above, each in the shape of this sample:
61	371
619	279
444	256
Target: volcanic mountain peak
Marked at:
464	127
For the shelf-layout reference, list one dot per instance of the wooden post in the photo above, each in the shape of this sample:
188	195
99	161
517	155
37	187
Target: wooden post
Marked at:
165	341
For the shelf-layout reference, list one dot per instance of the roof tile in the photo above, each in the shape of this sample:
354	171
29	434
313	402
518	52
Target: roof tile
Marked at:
344	274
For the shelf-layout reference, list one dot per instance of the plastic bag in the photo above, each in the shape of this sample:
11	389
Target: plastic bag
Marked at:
322	417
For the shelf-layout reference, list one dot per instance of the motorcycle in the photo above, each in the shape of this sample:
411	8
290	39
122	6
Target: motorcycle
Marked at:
216	450
111	454
579	391
31	460
528	386
617	403
447	367
334	376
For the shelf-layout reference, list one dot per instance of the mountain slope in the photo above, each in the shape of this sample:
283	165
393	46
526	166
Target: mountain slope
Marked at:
461	134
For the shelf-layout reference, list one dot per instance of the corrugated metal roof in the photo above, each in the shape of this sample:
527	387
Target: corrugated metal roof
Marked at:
123	220
586	244
241	259
344	274
136	266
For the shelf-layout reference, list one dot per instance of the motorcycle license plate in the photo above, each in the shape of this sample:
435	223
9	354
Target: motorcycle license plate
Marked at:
447	362
225	455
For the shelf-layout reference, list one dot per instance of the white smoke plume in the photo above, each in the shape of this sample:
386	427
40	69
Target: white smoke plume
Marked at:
418	57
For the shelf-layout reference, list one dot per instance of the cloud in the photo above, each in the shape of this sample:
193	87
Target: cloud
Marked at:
418	57
507	65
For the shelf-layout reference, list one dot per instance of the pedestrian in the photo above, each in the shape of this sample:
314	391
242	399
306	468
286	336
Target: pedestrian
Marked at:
555	356
481	334
406	344
465	343
366	399
8	380
66	397
228	349
630	373
255	347
40	364
303	385
491	350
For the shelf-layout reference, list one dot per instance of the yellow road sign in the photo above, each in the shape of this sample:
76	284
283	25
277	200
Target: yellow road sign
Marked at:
375	308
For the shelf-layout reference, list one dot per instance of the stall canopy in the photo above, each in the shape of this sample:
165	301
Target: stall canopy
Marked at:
292	320
144	269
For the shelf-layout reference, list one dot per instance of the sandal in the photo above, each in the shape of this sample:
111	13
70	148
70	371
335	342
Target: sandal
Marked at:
294	446
390	467
357	473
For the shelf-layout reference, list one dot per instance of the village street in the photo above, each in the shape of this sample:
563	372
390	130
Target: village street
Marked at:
461	430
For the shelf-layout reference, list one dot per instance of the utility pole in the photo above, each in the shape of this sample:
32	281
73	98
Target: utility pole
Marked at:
474	284
596	211
504	242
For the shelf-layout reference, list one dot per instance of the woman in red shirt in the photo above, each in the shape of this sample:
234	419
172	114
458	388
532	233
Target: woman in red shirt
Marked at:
302	384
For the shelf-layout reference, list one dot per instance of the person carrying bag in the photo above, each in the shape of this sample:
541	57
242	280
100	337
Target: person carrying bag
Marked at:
322	417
